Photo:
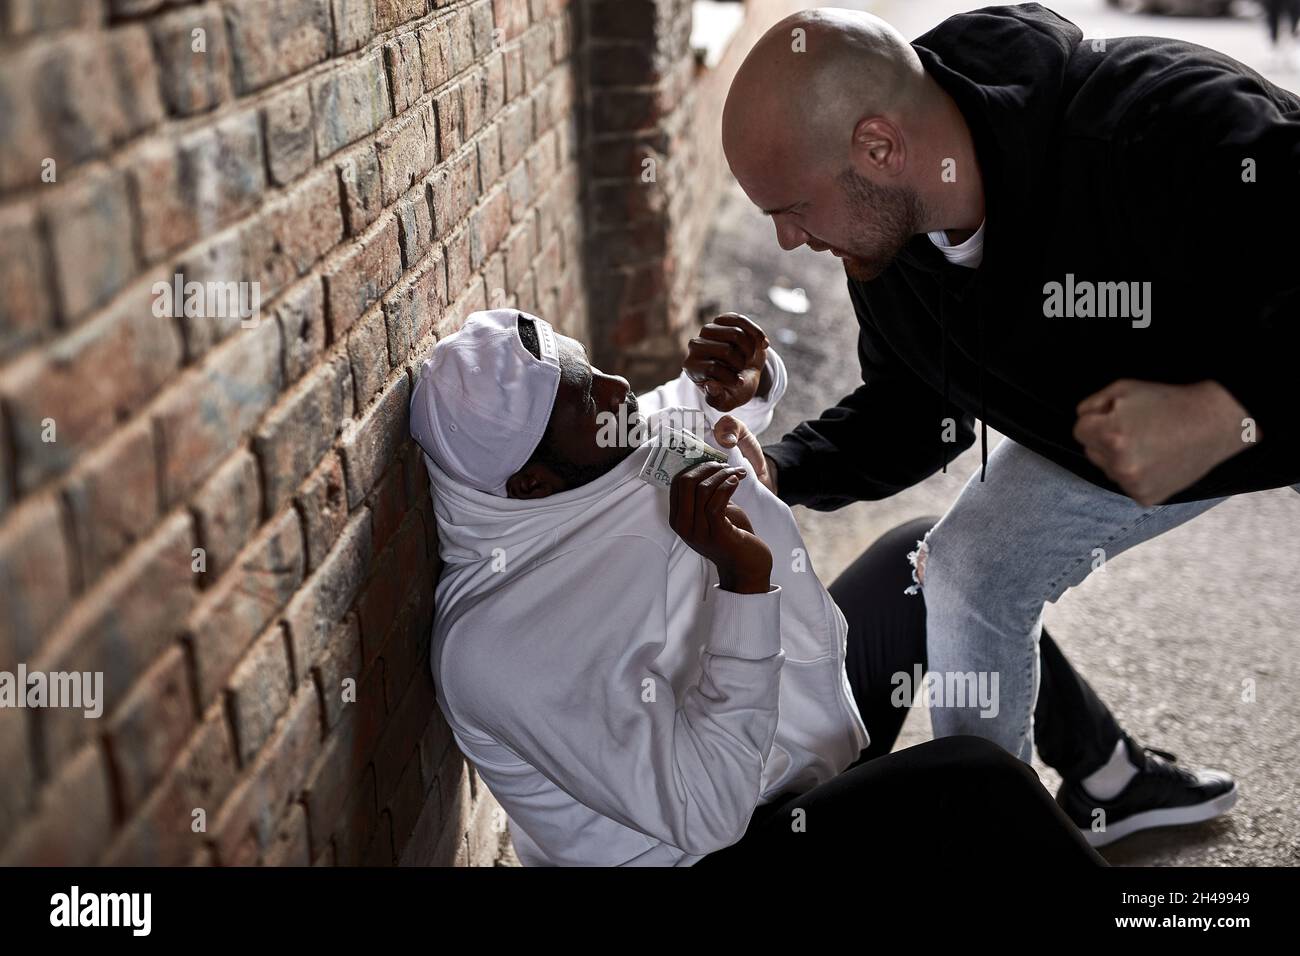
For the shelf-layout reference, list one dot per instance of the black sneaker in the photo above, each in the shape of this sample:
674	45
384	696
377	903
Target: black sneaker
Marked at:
1160	795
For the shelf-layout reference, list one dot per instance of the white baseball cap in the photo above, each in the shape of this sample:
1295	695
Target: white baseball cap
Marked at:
483	400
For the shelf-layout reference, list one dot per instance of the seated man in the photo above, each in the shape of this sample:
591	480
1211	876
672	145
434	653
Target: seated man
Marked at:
655	676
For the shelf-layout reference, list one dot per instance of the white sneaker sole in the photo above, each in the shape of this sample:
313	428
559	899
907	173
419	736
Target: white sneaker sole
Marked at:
1167	817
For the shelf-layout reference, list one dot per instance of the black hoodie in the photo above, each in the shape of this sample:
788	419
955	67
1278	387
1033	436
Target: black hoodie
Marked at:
1130	160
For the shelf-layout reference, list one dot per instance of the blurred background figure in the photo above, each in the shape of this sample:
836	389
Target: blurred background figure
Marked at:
1282	18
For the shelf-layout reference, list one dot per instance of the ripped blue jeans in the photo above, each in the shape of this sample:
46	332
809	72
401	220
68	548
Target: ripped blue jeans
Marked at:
1007	545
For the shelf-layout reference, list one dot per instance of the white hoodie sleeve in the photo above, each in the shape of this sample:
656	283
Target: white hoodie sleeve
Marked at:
682	392
576	694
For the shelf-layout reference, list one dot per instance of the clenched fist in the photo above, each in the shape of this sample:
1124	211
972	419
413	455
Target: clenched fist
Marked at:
1153	439
728	359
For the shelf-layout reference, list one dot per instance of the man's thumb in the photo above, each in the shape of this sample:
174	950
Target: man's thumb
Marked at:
731	432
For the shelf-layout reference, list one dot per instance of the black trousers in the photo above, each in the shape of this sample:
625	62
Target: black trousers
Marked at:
960	795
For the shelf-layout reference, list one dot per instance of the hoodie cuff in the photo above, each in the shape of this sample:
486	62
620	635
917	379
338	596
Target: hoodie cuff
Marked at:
746	625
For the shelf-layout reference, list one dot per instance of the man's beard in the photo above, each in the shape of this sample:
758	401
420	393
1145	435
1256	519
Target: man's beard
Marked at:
895	214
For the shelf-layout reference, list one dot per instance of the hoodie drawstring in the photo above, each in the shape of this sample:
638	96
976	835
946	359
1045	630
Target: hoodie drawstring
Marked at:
943	365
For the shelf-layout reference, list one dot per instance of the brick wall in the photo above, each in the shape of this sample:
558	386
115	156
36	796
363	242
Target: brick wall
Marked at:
220	511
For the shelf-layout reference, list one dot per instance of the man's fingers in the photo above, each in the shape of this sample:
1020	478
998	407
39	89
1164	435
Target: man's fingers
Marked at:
720	492
1101	401
728	353
731	432
704	370
683	495
744	322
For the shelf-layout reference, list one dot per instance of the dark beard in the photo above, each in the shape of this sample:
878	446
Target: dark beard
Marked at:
895	213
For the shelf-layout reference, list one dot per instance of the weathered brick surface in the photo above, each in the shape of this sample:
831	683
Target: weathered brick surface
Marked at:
223	513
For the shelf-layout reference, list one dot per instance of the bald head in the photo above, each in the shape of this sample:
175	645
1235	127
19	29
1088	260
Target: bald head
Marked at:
834	128
810	78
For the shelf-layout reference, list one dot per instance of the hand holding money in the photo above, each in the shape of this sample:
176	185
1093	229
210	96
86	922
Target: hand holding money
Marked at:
701	512
728	359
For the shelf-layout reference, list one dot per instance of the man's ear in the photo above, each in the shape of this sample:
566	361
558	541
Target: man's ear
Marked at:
534	480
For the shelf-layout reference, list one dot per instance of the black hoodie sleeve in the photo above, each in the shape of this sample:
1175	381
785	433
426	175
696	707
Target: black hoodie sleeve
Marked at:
1211	156
884	437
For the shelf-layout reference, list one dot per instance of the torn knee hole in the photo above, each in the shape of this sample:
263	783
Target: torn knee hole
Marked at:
917	560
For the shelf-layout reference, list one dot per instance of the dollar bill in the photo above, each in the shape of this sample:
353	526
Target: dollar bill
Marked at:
674	450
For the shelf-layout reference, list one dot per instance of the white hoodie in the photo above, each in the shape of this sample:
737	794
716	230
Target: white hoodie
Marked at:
623	709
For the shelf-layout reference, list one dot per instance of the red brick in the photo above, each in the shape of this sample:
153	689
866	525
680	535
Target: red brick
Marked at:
402	564
259	692
415	225
368	355
276	780
454	189
294	232
519	187
290	846
74	818
323	504
405	649
86	382
623	19
301	314
113	498
150	727
380	852
360	819
192	81
516	134
537	54
91	241
359	277
18	793
18	17
326	596
341	661
236	610
451	122
227	510
222	173
406	803
511	17
435	53
369	444
482	27
25	312
406	153
298	432
354	24
494	85
458	262
167	219
36	577
120	628
405	71
471	98
350	102
359	177
201	418
488	226
273	39
393	13
288	130
345	758
162	833
414	307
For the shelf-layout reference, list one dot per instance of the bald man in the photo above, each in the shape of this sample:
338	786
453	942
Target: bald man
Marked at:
1009	200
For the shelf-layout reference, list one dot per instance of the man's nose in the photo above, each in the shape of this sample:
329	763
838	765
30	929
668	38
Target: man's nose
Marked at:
788	235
